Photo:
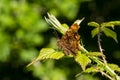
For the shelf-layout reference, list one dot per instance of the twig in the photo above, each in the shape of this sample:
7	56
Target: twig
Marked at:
103	73
99	44
55	23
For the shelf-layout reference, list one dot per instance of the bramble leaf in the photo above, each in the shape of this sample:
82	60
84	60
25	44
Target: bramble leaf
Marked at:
82	59
114	67
91	69
94	24
94	32
110	24
115	22
108	32
47	53
107	24
94	54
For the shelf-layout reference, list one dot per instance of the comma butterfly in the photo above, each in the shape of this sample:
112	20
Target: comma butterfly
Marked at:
69	42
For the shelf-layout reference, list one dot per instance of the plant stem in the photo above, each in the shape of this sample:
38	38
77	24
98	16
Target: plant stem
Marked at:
107	68
99	44
110	73
103	73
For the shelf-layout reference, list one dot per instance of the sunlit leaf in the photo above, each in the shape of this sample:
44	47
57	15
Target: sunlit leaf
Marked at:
107	24
115	22
110	24
94	24
108	32
91	69
94	54
114	67
95	68
94	32
82	59
47	53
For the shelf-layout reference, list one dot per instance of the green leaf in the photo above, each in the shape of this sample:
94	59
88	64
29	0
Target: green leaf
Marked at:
94	54
108	32
94	24
91	69
82	59
107	24
94	32
95	68
110	24
47	53
115	22
114	67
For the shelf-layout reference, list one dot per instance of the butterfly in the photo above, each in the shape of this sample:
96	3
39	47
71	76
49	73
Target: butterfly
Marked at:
69	42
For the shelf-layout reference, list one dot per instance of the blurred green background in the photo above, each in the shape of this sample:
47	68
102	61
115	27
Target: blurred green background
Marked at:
23	32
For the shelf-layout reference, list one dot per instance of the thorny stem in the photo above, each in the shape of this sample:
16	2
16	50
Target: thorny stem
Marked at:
104	63
110	73
99	44
103	73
